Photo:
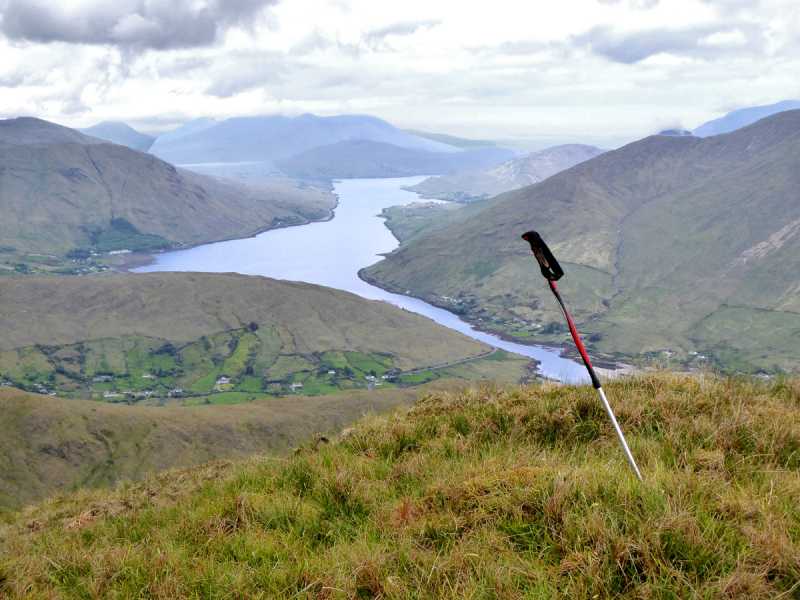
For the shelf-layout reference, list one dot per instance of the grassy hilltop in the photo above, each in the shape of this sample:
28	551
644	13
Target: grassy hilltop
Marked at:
501	493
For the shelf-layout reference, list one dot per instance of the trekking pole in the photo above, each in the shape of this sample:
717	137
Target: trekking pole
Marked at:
552	272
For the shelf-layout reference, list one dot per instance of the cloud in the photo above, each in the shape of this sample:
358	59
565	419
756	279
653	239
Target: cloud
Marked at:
377	37
317	41
640	4
128	24
16	78
700	41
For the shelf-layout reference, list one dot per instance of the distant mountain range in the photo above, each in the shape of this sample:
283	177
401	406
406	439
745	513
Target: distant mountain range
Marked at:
452	140
312	147
256	149
274	138
367	158
683	247
744	117
516	173
121	133
190	127
63	190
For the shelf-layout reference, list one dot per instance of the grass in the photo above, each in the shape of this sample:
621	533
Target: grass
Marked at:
485	493
53	445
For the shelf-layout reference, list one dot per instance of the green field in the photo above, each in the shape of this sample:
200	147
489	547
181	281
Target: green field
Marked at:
232	366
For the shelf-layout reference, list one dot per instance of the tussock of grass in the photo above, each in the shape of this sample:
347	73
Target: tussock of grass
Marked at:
488	493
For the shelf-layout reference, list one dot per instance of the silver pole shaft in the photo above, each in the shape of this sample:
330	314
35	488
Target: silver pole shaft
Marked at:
620	435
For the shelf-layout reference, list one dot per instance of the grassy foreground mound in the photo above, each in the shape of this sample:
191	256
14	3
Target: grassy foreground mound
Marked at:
50	445
510	493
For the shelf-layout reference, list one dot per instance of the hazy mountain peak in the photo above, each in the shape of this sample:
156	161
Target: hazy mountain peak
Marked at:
120	133
743	117
187	128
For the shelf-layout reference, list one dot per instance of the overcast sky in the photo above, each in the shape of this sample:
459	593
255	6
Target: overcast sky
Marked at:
600	71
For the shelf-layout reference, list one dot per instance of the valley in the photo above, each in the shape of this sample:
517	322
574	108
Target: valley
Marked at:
334	254
678	251
279	316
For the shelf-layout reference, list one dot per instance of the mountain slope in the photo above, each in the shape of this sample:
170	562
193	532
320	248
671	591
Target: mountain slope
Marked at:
121	133
743	117
62	190
179	307
54	445
678	243
513	174
365	158
490	493
276	137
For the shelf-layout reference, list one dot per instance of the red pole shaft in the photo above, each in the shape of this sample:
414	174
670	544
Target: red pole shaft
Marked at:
575	336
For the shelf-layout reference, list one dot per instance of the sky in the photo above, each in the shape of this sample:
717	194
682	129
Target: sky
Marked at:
593	71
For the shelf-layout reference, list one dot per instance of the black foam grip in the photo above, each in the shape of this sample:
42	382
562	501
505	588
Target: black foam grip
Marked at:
547	262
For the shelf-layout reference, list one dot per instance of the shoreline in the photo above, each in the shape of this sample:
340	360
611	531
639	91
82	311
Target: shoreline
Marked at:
605	365
136	260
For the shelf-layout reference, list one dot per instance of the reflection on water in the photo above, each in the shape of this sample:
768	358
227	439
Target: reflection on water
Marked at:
331	253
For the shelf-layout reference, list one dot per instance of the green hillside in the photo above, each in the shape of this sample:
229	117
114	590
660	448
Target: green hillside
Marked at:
66	196
487	493
194	338
54	445
685	248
